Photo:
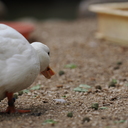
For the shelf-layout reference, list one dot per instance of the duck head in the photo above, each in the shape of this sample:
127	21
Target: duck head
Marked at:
43	53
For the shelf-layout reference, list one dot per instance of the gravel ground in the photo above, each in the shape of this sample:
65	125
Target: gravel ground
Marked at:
96	64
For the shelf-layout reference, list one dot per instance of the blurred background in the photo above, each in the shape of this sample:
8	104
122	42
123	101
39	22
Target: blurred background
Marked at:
39	9
47	9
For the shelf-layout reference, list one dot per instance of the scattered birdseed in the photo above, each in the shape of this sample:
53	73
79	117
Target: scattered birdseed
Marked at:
72	45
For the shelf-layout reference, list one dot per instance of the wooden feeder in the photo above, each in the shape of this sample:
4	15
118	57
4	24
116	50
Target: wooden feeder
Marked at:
112	22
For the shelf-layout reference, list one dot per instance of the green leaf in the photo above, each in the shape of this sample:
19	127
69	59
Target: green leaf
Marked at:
126	84
64	96
107	127
79	89
37	87
26	91
120	121
113	83
103	108
84	86
49	121
71	66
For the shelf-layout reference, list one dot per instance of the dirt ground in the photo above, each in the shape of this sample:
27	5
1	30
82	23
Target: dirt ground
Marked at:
96	64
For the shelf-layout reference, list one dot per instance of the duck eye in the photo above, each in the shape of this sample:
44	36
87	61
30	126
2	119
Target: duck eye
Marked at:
48	53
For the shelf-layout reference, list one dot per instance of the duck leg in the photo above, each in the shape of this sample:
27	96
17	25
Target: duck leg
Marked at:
11	106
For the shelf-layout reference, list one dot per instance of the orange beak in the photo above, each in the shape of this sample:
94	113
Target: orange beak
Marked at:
48	72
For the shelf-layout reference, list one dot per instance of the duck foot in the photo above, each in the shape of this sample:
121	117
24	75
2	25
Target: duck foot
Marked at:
10	110
11	107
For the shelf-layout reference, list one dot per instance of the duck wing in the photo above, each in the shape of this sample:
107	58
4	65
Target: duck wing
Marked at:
18	60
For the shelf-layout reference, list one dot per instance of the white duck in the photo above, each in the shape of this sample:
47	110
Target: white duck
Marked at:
20	64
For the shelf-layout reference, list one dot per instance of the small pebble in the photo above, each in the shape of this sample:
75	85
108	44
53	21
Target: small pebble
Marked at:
59	86
20	93
15	96
36	114
113	98
70	114
112	84
95	106
98	87
119	63
116	67
45	101
61	73
60	100
85	119
65	92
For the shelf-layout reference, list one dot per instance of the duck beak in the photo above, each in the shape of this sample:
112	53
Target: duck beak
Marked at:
48	72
